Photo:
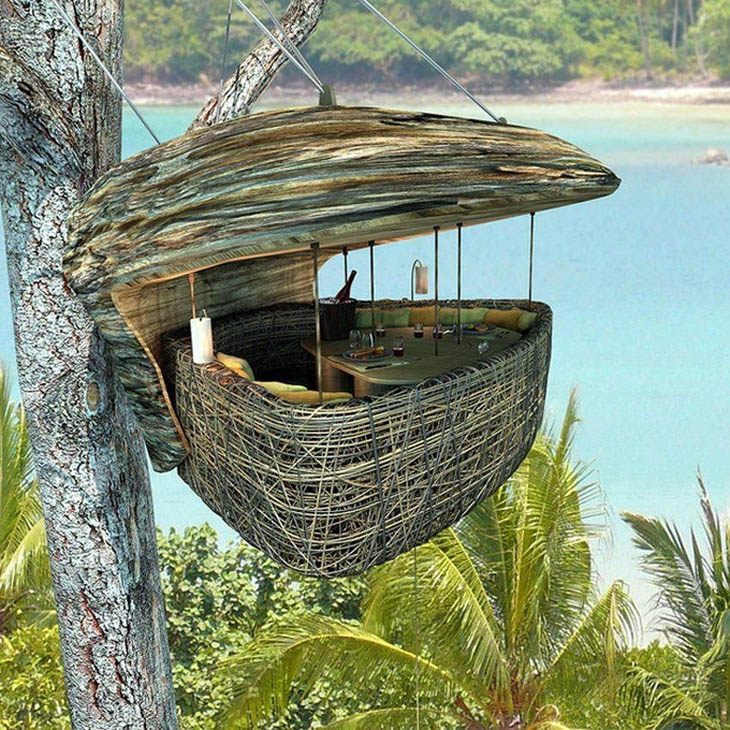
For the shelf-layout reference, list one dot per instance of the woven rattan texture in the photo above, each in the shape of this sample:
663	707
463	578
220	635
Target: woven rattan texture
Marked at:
333	490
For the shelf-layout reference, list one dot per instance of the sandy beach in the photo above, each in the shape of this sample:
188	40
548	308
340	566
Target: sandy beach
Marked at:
585	91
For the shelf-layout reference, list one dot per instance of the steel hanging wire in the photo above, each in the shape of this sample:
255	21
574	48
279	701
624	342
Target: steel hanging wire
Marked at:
102	66
433	63
371	245
436	289
532	253
459	226
223	64
278	44
293	46
317	325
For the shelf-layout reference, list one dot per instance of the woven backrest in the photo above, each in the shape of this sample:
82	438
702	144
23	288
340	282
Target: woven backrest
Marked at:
334	490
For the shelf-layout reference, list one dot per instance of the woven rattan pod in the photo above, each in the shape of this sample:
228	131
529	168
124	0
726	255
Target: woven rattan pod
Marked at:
249	209
335	490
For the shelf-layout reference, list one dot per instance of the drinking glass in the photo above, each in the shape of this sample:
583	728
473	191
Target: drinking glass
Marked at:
379	325
355	339
483	347
418	330
368	340
399	346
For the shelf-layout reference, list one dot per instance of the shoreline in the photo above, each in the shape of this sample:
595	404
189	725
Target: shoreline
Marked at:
592	91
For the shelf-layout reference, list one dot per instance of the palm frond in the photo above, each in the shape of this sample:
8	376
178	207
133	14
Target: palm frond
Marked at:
666	702
685	612
456	622
391	718
23	556
606	630
26	558
299	650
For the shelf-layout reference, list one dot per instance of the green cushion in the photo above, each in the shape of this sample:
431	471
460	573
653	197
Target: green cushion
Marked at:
526	320
473	315
363	318
398	317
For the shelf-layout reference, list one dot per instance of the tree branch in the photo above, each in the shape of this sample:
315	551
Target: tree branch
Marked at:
261	66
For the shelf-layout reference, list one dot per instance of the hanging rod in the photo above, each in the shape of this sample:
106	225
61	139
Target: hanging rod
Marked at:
293	46
101	65
430	60
279	44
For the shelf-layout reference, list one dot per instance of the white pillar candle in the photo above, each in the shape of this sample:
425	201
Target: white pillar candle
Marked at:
201	335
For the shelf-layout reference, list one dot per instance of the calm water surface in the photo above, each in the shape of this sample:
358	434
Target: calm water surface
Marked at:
638	283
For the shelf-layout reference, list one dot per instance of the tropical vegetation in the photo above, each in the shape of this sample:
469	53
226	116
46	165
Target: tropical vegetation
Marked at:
482	627
491	43
24	574
693	598
495	623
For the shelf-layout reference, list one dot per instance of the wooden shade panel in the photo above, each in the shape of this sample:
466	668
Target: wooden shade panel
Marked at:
230	200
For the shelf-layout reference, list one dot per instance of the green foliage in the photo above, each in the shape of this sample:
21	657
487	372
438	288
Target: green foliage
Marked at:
31	678
714	29
693	600
493	42
496	617
607	709
24	571
217	599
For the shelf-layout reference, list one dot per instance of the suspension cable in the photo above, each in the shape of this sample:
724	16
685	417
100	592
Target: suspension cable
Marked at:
223	64
532	253
293	46
279	44
103	67
434	64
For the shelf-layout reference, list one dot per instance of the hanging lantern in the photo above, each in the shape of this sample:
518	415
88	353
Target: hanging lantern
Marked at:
419	278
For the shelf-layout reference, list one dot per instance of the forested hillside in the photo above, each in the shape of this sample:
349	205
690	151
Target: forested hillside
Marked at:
502	43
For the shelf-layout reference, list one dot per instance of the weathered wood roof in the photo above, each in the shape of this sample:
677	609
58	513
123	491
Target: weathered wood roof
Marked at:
229	201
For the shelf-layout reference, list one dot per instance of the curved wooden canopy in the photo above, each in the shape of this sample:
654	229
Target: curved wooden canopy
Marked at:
241	202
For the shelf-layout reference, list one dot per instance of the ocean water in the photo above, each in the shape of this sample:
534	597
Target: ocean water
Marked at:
638	283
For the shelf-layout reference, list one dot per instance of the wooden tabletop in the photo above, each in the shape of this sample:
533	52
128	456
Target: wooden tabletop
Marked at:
419	362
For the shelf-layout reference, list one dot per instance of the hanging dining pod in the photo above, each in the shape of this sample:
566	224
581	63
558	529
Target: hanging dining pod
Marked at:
252	208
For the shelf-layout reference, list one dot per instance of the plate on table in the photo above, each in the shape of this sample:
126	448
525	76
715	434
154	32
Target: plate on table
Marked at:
359	356
470	330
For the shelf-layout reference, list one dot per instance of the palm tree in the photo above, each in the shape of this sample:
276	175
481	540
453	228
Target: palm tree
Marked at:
693	599
24	573
477	629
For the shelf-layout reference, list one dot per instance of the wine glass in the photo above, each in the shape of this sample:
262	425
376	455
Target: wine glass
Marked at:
355	339
418	330
399	346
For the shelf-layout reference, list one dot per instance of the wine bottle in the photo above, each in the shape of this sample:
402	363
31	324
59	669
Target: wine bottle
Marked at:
344	294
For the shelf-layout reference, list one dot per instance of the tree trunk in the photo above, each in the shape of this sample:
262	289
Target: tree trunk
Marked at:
644	36
675	26
60	124
61	128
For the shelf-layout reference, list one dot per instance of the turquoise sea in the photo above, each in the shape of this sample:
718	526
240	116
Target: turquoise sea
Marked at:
638	283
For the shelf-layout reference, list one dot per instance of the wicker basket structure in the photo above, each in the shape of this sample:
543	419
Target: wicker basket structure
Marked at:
336	489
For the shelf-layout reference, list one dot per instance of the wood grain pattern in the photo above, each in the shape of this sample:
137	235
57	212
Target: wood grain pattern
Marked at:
274	183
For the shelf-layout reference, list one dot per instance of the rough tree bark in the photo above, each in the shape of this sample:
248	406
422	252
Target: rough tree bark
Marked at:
60	128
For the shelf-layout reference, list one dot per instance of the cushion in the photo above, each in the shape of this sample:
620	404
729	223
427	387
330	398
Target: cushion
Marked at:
237	364
275	387
425	315
506	318
311	397
398	317
364	318
526	320
469	315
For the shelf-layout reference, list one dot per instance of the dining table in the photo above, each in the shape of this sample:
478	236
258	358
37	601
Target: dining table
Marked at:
419	361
